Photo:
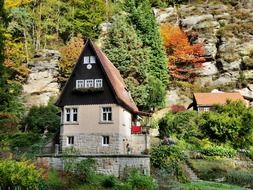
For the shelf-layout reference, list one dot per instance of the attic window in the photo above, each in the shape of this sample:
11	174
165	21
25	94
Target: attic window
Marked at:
89	83
89	59
79	83
98	83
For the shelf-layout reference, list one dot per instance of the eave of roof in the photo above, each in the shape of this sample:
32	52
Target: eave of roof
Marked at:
210	99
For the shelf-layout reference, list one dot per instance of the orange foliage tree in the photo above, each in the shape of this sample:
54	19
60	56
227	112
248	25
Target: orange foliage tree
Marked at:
69	56
184	58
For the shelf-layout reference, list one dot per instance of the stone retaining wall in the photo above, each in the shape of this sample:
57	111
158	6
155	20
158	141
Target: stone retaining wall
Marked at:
117	165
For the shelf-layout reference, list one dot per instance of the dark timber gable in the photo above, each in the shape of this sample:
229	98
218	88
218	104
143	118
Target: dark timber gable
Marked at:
72	96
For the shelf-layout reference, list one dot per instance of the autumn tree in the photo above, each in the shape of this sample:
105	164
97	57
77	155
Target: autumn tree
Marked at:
184	58
70	54
10	106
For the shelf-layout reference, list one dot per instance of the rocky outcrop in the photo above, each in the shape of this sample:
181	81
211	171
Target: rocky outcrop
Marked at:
42	82
226	31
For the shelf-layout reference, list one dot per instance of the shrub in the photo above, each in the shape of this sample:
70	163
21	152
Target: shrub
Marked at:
84	170
141	182
219	151
183	124
109	182
22	174
54	181
166	157
41	117
240	178
177	108
23	139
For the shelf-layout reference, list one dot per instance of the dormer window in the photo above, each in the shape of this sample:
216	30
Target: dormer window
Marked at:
89	59
79	83
89	83
98	83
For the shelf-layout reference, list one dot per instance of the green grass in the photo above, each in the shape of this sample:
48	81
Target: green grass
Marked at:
204	185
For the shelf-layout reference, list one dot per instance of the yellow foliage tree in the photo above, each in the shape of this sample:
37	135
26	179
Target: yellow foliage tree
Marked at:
8	4
70	54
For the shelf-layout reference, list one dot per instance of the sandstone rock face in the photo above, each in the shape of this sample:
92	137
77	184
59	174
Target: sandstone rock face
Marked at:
225	30
42	81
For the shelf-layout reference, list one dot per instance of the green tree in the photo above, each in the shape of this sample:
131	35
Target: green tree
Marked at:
142	17
232	122
10	103
41	117
127	52
84	17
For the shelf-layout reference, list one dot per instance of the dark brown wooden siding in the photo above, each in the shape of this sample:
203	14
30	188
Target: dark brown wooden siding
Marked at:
80	72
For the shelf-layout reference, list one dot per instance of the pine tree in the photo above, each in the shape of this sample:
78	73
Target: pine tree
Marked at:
125	49
142	17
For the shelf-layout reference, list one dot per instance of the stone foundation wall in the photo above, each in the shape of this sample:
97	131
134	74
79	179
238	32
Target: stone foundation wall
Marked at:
92	144
117	165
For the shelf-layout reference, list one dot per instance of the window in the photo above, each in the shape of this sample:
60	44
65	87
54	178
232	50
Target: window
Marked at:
67	114
105	140
92	59
89	83
106	114
71	115
79	83
89	59
206	109
98	83
70	140
75	114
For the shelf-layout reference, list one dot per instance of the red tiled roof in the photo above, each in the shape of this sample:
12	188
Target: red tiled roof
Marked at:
209	99
116	81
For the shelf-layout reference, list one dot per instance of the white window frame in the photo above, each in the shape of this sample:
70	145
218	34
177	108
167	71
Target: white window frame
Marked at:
75	112
92	59
107	112
89	60
206	109
86	60
80	84
72	141
67	112
72	111
105	140
87	85
98	83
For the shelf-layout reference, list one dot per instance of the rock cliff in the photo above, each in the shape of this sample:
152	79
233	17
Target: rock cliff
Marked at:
42	82
226	31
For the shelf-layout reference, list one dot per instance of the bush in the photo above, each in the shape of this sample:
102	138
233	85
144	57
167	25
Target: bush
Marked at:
141	182
219	151
41	117
240	178
23	139
109	182
84	170
183	124
54	180
170	159
22	174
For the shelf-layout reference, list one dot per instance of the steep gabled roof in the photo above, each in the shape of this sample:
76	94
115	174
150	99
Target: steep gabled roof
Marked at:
210	99
116	81
114	78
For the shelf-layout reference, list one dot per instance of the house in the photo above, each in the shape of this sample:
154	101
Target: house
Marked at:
207	101
99	118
